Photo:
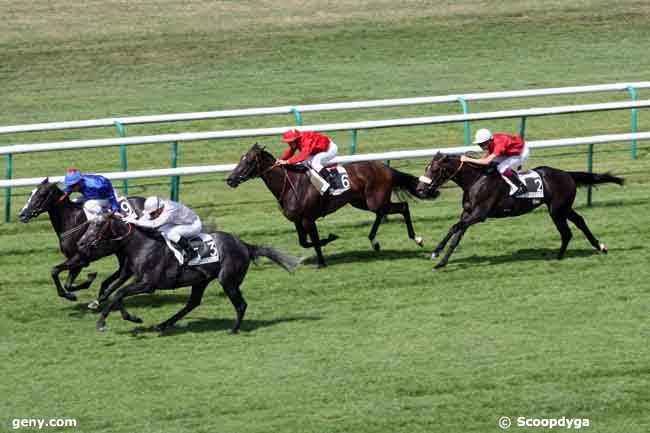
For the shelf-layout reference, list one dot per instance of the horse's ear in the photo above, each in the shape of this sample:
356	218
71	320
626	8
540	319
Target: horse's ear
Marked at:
45	181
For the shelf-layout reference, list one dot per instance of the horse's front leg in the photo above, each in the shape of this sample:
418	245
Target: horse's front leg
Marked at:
130	290
462	226
454	228
302	236
56	270
72	274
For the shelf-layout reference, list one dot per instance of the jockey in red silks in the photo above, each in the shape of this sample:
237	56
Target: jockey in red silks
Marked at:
507	151
316	149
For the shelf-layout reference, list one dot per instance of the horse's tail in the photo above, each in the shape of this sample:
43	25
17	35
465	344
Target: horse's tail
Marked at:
287	261
404	183
583	178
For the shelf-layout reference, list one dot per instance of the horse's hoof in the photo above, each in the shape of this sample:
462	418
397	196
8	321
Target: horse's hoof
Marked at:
434	255
134	319
602	248
160	327
418	240
333	237
375	245
94	305
234	331
101	326
70	296
440	265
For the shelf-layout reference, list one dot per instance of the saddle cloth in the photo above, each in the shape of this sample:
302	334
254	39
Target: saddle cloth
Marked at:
533	182
203	244
339	180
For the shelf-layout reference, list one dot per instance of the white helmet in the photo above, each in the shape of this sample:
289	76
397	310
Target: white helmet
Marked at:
152	203
482	135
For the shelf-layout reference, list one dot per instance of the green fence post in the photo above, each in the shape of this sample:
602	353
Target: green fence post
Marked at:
8	189
590	162
122	131
522	127
175	180
297	115
463	103
353	146
633	95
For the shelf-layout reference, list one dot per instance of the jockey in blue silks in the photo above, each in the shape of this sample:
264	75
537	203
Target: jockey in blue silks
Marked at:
97	192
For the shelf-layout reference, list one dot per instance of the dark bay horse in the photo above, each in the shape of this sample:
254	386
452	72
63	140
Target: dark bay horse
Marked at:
371	185
487	196
155	267
69	223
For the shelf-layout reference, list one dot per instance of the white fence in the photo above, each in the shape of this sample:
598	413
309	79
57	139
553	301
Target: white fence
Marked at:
296	109
346	126
395	155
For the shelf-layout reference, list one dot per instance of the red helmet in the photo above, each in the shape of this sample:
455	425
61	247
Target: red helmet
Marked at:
291	135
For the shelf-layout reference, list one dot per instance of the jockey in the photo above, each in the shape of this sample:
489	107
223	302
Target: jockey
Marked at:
316	149
97	192
507	151
174	221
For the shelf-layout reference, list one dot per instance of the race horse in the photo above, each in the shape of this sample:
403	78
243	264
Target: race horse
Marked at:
69	223
155	266
487	196
370	188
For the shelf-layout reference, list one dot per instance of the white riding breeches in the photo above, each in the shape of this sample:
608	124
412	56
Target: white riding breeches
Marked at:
95	208
512	162
174	232
321	159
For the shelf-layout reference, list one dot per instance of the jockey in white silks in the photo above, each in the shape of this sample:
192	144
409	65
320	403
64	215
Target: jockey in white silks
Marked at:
174	221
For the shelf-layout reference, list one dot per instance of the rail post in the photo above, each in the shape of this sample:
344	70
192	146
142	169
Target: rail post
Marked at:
465	106
522	127
590	162
8	190
122	132
633	144
175	180
297	116
353	146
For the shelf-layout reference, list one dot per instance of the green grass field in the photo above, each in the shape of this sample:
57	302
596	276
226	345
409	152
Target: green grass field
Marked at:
377	342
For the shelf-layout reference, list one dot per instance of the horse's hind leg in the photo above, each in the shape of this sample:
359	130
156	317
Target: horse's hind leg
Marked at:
560	220
579	221
403	209
238	301
302	236
195	300
379	216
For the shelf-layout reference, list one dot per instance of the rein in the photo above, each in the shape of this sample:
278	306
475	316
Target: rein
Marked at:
109	224
74	229
287	179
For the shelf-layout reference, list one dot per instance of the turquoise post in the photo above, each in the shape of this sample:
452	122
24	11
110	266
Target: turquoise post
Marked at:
633	147
175	180
8	190
353	146
590	162
522	127
122	132
463	103
297	115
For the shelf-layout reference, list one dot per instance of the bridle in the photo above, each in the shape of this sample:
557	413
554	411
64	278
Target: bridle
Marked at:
286	180
442	176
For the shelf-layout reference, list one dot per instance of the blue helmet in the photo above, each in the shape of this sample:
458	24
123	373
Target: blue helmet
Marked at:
72	176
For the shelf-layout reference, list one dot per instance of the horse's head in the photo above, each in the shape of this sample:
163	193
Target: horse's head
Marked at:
101	231
252	164
42	198
442	168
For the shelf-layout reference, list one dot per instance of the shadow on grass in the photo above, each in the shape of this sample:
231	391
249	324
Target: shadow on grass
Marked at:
154	300
213	325
527	254
367	256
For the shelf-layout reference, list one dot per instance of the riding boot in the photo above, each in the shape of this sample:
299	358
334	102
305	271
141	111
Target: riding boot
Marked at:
512	177
190	252
321	184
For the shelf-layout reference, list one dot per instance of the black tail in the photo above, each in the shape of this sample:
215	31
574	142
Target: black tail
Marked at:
404	183
285	260
582	178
